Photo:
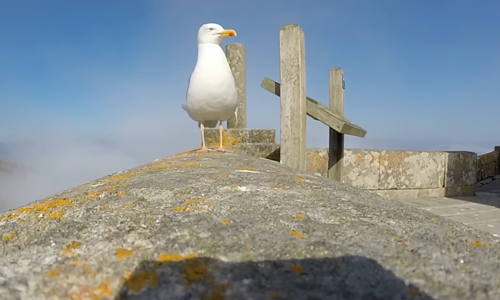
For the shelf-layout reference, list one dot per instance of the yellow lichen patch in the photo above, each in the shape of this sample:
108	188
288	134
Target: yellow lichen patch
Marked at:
273	294
414	293
128	204
21	220
105	206
124	253
400	240
68	249
9	216
277	186
189	205
191	164
93	293
225	222
56	215
181	192
194	270
299	179
94	195
161	166
122	176
175	257
299	216
297	269
51	273
246	168
9	236
120	193
296	233
479	244
47	206
223	175
136	282
227	140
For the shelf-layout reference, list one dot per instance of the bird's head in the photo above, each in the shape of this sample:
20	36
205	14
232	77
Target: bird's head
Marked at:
212	33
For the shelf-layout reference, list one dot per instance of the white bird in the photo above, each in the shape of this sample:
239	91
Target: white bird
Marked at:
211	95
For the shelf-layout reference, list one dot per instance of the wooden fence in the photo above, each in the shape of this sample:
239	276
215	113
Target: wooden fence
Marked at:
295	104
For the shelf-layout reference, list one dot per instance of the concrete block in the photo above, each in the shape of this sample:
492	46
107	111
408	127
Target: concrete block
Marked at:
235	137
317	161
411	169
461	169
456	191
361	168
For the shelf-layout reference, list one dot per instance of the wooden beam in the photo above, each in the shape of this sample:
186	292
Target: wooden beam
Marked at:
293	97
336	139
235	54
319	112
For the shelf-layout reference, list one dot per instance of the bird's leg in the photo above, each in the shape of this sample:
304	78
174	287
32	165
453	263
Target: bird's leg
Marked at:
221	149
203	146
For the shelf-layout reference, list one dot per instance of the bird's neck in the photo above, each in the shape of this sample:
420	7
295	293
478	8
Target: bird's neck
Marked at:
210	52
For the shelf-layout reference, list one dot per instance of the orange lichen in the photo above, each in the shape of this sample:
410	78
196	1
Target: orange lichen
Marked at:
181	192
189	205
223	175
94	195
47	206
194	270
227	140
277	186
299	179
479	244
136	282
175	257
122	176
246	168
9	216
162	166
297	269
191	164
414	292
9	236
124	253
51	273
93	293
299	216
296	233
68	249
225	222
56	215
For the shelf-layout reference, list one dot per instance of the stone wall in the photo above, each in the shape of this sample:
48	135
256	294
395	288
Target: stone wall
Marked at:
403	174
390	173
488	165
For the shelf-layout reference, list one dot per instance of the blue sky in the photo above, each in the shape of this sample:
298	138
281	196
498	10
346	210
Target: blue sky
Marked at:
98	85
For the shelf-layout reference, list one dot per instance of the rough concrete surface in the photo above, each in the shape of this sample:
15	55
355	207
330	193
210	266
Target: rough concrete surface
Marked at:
230	226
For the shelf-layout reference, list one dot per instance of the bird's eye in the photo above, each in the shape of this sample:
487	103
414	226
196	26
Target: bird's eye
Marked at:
210	29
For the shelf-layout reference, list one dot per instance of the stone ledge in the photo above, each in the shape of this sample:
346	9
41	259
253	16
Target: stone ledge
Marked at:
235	137
403	194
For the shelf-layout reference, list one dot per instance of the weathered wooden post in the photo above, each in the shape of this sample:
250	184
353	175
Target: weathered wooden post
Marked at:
235	54
336	142
293	97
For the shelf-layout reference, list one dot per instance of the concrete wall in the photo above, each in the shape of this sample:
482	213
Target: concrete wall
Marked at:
403	174
488	165
390	173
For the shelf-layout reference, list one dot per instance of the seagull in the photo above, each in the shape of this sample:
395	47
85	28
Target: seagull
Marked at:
211	95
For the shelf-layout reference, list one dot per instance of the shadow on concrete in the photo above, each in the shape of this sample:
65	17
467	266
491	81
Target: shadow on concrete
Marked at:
347	277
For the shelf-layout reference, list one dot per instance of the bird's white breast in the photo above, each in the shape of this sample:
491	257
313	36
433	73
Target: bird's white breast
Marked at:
211	93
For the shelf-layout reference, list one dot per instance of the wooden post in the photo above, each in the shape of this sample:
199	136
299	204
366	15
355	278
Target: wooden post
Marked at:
336	143
293	97
235	54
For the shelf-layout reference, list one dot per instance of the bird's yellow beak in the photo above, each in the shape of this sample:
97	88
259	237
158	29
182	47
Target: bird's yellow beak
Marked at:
228	32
